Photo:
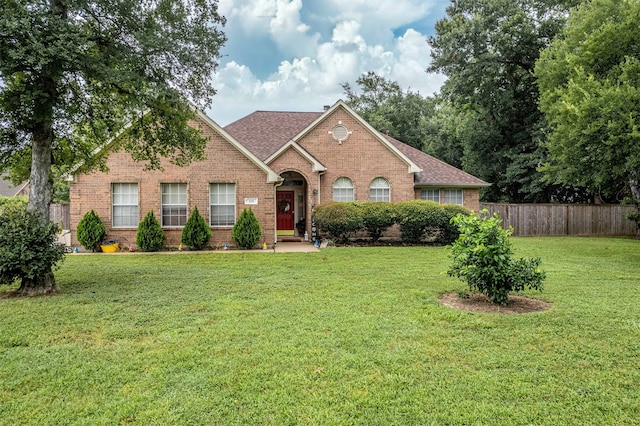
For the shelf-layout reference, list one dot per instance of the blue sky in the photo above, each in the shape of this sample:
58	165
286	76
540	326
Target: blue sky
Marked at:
292	55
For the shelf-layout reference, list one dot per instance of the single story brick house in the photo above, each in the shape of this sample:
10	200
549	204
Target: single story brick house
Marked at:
279	164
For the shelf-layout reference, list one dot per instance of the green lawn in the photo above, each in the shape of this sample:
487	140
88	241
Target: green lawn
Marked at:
341	337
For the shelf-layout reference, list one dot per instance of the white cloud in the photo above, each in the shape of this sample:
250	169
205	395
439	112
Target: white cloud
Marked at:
311	70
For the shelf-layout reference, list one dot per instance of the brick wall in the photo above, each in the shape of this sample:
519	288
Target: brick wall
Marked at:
224	164
361	158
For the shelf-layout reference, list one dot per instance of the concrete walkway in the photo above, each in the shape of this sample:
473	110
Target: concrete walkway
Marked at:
287	247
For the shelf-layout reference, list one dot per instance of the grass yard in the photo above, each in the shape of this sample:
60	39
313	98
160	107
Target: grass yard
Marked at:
341	337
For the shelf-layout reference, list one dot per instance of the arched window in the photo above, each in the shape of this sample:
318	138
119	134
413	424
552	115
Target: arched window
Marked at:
343	189
379	190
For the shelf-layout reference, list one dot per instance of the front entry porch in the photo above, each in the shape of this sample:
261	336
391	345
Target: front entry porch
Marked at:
291	208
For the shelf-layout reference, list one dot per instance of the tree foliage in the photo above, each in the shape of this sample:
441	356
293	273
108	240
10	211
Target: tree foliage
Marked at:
482	257
589	80
390	110
91	231
246	231
28	249
196	232
73	72
488	49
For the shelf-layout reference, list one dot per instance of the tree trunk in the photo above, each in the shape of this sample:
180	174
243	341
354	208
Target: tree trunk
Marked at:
44	284
40	185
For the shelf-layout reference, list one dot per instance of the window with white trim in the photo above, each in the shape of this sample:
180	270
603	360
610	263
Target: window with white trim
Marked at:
124	205
174	204
379	190
431	195
343	189
222	200
453	196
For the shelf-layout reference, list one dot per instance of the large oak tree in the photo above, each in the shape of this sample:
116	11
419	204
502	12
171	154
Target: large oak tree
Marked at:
589	81
488	50
73	72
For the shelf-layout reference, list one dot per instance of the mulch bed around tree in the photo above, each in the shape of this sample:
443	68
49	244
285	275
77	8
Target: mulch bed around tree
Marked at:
477	302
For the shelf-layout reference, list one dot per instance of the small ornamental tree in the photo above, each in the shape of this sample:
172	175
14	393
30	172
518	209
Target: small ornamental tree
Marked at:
196	232
28	250
91	231
338	219
150	236
482	258
246	232
450	232
377	217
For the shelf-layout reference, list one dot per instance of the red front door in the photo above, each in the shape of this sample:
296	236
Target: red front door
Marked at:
284	209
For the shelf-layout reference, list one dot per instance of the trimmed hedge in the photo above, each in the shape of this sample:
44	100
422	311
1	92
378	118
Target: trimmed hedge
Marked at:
377	217
338	219
419	221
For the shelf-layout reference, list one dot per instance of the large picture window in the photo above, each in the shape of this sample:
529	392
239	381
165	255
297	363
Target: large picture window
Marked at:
431	195
124	205
174	204
222	198
379	190
343	189
453	196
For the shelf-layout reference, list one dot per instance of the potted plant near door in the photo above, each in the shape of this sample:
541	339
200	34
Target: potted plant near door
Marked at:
300	226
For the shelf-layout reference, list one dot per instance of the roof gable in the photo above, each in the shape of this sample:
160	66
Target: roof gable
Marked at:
266	132
412	167
272	176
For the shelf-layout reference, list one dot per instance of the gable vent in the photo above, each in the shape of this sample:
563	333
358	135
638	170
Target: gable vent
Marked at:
340	132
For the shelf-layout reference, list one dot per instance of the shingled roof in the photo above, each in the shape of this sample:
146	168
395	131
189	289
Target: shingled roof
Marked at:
434	171
7	189
264	132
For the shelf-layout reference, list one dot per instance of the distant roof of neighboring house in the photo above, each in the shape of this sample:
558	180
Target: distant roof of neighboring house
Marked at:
265	132
7	189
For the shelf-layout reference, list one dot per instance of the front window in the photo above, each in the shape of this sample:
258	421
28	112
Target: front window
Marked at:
124	205
343	189
222	197
379	190
174	204
453	196
431	195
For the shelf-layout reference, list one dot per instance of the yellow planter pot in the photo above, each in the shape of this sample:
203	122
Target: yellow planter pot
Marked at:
110	248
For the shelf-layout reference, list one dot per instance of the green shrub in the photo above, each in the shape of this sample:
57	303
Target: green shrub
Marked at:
10	202
482	258
377	217
246	232
196	233
150	236
91	231
338	219
28	245
449	231
417	217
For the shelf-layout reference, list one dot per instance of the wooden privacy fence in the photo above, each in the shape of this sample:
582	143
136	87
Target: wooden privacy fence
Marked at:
61	214
564	219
